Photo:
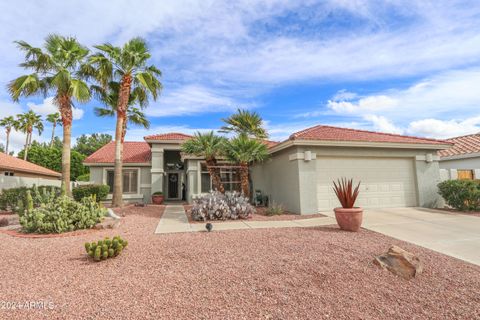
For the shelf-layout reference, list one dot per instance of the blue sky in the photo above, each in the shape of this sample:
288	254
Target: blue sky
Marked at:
408	67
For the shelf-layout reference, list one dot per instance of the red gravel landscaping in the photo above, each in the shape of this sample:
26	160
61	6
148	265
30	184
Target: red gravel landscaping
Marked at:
314	273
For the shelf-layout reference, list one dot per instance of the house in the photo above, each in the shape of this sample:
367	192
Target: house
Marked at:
462	160
394	170
14	167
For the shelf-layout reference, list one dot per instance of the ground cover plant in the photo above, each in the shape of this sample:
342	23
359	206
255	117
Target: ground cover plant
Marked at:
218	206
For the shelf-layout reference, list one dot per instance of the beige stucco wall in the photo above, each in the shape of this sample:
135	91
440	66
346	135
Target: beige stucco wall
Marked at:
293	183
467	164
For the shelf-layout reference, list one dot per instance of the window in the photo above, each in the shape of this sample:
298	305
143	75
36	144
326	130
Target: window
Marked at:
465	174
8	173
130	180
229	176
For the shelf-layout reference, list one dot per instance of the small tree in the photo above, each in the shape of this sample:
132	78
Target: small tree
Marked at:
209	146
8	123
26	123
54	119
88	144
245	123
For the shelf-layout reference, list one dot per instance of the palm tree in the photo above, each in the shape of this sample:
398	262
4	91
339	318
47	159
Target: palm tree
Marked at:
128	66
55	70
209	146
54	119
26	123
245	123
243	151
8	123
110	98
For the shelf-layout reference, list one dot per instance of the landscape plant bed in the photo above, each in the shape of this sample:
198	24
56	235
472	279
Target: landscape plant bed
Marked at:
19	234
302	273
260	215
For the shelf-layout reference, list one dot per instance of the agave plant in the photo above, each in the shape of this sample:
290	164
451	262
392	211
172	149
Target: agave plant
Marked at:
345	192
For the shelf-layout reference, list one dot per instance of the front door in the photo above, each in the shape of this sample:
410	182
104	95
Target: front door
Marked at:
173	185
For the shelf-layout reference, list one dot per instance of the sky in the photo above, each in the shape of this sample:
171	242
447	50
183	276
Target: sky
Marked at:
406	67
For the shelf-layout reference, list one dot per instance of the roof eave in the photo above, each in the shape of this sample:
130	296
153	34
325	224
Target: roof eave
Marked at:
125	164
369	144
460	156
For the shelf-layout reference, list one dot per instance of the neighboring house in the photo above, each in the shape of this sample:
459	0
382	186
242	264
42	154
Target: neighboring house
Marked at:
395	171
14	167
462	160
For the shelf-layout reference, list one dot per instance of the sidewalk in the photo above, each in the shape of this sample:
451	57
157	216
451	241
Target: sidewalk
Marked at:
175	220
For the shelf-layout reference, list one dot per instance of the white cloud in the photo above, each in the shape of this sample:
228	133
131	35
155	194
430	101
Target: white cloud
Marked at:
367	104
435	128
48	106
137	134
191	99
383	124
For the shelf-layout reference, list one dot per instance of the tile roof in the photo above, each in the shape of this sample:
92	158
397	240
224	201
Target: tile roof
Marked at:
168	136
270	143
330	133
11	163
462	145
133	152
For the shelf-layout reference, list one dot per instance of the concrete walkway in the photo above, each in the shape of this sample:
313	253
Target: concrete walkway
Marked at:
175	220
456	235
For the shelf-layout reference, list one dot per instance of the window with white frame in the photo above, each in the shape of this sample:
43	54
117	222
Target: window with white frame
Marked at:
229	176
130	180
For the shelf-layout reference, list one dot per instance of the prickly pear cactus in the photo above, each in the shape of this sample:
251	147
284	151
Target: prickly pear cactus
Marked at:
105	248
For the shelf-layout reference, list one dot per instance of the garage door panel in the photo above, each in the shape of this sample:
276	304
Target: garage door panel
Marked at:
385	182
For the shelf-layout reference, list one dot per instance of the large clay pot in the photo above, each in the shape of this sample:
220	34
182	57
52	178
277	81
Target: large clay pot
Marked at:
349	219
157	199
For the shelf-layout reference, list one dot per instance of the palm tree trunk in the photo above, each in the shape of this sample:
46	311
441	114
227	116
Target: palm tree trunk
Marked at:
123	97
216	179
244	180
26	146
53	134
8	140
66	113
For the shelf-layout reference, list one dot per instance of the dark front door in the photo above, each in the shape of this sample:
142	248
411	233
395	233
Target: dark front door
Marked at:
173	185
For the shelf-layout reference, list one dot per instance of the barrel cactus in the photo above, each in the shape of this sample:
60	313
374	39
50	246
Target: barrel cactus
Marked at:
105	248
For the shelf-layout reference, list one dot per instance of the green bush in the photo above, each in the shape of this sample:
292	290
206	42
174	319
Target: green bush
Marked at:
158	193
274	210
84	177
104	249
100	191
9	198
463	195
59	214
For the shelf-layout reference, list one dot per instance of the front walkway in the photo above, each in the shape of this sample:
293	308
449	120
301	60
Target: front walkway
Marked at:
456	235
175	220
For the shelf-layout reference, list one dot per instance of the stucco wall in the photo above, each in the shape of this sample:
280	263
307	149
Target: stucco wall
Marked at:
467	164
293	183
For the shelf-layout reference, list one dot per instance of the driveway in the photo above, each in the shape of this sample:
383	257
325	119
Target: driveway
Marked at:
456	235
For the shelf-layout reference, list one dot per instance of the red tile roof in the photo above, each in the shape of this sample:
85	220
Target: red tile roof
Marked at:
462	145
344	134
168	136
14	164
270	143
133	152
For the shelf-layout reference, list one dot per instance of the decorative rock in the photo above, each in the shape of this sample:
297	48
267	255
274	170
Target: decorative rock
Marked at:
400	262
3	222
108	223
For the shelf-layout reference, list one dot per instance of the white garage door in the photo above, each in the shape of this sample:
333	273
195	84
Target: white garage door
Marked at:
385	182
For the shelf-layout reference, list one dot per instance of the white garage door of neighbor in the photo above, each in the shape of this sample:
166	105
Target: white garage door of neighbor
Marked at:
385	182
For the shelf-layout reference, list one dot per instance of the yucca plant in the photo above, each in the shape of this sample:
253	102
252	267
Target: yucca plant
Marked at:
346	194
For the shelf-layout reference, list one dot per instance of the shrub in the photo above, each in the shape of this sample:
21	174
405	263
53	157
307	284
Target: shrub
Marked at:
104	249
9	198
100	191
274	210
463	195
60	214
3	222
218	206
158	193
84	177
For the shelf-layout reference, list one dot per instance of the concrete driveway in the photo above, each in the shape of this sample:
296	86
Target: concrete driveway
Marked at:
456	235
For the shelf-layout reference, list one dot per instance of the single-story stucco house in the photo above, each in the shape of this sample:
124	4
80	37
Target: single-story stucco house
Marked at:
395	170
462	160
15	167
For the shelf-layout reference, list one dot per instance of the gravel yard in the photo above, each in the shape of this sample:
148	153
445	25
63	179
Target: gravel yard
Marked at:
314	273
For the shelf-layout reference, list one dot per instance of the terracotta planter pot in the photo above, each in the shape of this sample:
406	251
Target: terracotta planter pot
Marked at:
157	199
349	219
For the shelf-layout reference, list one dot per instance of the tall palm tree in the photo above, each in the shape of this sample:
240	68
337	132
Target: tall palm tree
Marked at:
128	66
209	146
55	70
54	119
109	97
26	123
245	123
243	151
8	123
